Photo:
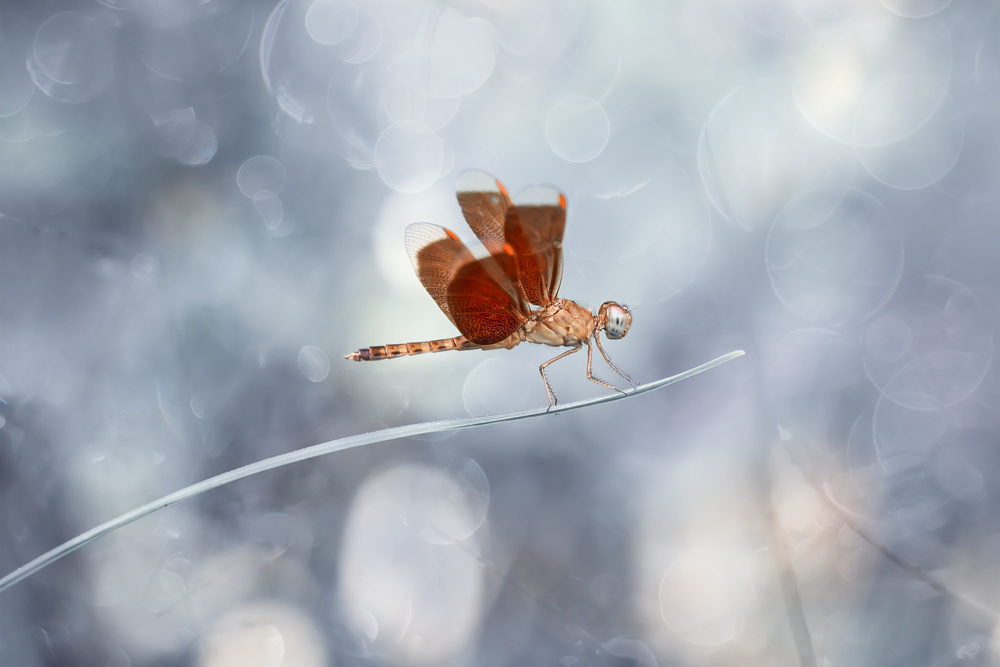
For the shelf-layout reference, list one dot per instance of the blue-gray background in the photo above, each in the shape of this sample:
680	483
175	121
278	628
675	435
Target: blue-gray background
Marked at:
201	210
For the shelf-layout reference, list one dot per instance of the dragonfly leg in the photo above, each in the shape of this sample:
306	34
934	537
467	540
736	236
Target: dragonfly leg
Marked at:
590	376
541	369
608	359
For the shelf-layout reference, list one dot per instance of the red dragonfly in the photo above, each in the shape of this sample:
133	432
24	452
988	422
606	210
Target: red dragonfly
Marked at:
490	298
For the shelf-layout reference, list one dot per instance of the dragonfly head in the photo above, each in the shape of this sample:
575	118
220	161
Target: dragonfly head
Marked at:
615	319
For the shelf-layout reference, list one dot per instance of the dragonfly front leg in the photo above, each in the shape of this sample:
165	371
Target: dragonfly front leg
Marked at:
541	369
590	376
608	359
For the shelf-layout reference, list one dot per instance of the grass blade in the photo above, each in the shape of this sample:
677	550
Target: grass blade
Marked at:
330	447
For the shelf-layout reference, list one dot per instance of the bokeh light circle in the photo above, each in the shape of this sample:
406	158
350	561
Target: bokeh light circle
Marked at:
331	21
833	257
314	363
73	58
409	157
577	129
261	176
458	57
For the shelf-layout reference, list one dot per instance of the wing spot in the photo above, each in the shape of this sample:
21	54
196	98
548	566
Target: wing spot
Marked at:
452	234
562	200
508	248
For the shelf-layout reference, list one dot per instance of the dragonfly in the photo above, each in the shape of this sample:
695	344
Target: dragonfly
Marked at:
508	294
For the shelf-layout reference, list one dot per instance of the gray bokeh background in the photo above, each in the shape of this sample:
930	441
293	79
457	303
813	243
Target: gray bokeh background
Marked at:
202	208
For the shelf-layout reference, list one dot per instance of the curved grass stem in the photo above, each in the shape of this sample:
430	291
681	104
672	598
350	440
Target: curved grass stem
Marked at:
322	449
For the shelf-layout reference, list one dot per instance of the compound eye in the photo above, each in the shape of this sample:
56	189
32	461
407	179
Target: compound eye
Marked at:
618	322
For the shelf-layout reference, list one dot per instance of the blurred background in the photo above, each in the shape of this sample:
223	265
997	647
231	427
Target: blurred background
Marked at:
202	207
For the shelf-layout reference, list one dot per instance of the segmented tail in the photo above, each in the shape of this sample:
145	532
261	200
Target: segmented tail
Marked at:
408	349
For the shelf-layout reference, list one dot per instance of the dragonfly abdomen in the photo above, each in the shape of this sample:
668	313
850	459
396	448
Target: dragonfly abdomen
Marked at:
378	352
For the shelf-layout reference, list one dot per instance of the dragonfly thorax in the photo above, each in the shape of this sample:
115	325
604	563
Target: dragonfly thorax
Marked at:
561	323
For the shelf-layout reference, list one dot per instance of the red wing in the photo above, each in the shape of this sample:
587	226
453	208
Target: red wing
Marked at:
437	254
484	310
531	231
535	230
484	201
475	294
